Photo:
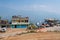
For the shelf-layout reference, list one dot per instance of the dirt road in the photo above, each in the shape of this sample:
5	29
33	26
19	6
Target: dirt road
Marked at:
36	36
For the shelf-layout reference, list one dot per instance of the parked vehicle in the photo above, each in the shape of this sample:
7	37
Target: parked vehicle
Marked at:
3	29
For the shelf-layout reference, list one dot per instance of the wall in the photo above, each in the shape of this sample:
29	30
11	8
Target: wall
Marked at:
19	26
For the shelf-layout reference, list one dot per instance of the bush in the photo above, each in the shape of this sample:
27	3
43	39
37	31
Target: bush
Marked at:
32	26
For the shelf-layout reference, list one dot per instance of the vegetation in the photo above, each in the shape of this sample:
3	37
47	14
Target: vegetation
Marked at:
0	17
32	27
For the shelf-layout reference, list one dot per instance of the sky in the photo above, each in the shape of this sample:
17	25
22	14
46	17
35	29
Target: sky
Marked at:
36	10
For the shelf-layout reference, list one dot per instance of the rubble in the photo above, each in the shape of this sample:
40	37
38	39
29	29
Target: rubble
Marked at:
50	29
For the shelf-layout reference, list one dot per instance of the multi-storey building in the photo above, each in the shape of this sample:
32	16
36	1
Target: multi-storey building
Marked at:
4	23
20	22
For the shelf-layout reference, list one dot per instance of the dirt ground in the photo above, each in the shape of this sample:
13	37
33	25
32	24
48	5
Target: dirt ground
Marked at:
12	30
34	36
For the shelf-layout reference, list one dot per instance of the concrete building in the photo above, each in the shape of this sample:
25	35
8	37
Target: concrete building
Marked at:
4	23
20	22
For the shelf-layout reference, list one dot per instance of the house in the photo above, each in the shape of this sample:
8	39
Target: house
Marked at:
4	23
19	22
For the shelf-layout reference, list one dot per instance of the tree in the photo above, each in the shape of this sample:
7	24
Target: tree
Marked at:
0	17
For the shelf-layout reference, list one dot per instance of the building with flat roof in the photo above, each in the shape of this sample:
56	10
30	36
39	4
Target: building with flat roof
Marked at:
4	23
19	22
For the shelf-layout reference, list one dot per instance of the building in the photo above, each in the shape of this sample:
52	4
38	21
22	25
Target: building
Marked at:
4	23
19	22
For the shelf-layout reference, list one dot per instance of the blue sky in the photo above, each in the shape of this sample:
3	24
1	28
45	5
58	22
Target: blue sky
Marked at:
35	9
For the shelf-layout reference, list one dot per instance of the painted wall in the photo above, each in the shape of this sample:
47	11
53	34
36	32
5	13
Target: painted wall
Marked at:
19	26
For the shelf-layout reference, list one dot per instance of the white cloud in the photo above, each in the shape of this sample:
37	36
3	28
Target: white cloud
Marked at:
45	8
35	7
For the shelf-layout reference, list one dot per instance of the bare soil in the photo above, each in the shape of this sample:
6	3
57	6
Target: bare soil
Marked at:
34	36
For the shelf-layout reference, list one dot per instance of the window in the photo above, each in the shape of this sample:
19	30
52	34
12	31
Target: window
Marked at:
22	21
26	20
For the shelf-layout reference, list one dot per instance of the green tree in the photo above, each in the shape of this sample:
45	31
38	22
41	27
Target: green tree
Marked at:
0	17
